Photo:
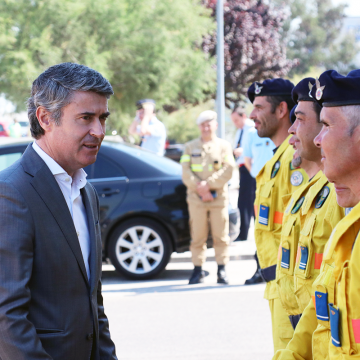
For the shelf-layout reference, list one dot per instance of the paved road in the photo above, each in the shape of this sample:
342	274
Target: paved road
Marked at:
168	319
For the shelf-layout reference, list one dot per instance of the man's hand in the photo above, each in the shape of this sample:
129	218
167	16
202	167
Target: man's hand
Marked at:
238	152
203	188
207	197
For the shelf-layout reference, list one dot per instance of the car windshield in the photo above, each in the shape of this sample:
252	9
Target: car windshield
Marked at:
162	164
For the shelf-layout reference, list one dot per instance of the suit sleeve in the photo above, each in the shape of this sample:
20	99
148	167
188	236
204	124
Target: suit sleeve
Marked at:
300	346
106	345
18	337
219	178
188	177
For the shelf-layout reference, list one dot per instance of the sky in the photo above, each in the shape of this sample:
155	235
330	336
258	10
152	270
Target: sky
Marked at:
353	9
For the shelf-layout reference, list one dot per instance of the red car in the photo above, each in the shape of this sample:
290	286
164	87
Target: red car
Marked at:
3	132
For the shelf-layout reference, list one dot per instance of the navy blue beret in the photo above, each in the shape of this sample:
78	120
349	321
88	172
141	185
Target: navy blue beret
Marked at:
334	89
301	92
140	103
292	114
270	87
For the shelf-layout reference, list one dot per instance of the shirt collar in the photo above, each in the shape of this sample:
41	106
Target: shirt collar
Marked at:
79	175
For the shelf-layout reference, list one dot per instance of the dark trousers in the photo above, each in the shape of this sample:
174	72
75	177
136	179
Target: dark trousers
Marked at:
246	201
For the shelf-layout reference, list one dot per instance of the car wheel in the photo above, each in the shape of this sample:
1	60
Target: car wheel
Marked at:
140	248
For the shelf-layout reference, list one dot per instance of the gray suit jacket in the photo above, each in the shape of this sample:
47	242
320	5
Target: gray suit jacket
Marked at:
48	308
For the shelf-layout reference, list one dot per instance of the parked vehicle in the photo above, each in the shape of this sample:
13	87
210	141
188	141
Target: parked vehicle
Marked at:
3	131
143	210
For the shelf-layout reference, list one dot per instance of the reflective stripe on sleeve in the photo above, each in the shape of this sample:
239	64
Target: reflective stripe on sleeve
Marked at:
196	167
210	167
229	159
185	158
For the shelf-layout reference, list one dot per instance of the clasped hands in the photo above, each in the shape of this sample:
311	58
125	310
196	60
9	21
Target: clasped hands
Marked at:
203	191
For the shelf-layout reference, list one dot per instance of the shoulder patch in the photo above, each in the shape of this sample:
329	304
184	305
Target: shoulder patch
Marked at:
296	178
275	169
320	199
298	205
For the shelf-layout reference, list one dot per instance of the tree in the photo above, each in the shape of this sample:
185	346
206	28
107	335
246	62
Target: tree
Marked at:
312	33
254	49
146	48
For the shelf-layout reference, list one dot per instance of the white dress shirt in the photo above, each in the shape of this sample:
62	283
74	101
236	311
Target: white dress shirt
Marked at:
70	187
249	124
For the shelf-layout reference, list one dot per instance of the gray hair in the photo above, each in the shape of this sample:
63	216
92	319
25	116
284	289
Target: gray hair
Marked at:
352	114
54	88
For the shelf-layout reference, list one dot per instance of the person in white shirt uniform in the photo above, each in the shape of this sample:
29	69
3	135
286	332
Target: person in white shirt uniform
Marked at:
151	130
247	183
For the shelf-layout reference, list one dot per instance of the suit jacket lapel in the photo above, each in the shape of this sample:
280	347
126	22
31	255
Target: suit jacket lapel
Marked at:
94	250
48	189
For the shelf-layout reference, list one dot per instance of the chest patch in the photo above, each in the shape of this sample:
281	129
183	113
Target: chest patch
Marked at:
298	205
323	194
296	178
275	169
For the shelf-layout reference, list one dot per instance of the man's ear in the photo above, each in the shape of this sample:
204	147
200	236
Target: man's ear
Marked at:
282	109
44	118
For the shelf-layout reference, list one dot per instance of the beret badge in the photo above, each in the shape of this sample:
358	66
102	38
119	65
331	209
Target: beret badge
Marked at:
258	89
310	87
319	90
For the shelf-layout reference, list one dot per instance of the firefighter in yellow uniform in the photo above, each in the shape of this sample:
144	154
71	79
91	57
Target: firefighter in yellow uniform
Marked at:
311	213
272	104
329	327
207	165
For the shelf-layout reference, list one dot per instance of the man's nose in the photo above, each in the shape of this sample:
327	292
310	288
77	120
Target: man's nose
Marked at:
98	129
318	138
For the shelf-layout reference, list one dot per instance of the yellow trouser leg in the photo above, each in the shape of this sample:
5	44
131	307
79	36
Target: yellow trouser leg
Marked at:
199	230
219	222
282	329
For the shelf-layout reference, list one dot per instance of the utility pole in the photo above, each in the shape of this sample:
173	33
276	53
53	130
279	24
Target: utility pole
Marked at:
220	92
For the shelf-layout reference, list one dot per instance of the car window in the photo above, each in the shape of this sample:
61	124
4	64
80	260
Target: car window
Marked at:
7	159
104	168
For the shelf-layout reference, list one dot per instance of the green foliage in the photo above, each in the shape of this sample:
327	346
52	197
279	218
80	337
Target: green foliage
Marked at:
312	34
146	48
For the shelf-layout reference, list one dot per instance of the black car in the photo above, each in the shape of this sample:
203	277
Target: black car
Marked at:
143	210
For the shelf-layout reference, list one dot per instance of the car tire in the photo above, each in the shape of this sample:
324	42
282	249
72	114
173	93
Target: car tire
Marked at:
140	248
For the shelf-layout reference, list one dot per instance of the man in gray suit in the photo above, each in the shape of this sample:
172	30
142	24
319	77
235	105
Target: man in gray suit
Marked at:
51	305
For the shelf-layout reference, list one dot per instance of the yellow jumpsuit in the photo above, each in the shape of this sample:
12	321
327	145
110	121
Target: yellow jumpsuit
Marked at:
276	179
304	235
336	294
213	162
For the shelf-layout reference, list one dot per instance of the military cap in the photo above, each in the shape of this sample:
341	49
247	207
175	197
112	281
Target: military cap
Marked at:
270	87
140	103
333	89
207	115
301	92
292	114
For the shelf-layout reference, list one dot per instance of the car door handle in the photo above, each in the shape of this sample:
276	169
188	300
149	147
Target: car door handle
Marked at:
109	192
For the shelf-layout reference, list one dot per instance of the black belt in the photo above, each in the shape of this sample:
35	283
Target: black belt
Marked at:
269	273
294	319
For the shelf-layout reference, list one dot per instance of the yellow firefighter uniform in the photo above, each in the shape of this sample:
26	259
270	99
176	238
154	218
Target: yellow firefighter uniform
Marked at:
276	179
329	327
306	229
213	162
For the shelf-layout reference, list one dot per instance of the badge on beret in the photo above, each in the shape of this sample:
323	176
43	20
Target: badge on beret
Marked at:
258	89
275	169
319	90
298	205
310	87
322	197
296	178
